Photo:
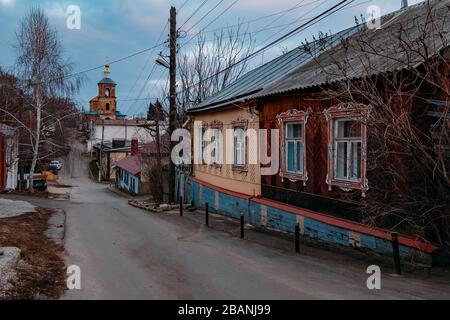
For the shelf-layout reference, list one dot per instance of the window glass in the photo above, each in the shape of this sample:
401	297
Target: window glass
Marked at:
341	163
347	151
293	130
239	146
294	148
348	129
299	153
356	161
290	156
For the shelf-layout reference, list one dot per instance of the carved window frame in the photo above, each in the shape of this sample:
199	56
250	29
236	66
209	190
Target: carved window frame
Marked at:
300	117
347	111
217	125
201	129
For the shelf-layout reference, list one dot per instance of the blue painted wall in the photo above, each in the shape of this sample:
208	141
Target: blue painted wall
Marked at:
276	219
127	182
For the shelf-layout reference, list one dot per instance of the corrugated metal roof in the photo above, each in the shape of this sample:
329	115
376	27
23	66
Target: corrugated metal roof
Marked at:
261	77
131	164
374	51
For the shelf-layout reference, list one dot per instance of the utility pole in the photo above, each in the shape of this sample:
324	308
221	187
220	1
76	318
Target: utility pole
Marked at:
172	96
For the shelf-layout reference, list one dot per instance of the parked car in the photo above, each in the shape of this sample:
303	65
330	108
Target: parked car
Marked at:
55	165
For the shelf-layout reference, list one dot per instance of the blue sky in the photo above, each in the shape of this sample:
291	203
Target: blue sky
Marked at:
118	28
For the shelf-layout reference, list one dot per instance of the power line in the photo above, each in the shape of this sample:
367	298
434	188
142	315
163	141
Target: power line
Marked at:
112	62
265	28
204	16
311	22
146	63
182	6
194	13
214	20
261	18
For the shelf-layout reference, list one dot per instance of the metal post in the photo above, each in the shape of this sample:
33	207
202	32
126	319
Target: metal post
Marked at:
396	253
207	214
297	238
242	225
181	206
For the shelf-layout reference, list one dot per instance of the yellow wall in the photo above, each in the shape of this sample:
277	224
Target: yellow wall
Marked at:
224	176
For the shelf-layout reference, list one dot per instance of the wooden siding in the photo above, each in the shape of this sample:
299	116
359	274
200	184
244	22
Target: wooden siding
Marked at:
315	195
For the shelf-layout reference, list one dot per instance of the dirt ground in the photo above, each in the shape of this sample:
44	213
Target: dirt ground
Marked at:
41	272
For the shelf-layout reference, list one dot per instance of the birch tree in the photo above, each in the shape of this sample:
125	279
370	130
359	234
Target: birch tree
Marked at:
43	72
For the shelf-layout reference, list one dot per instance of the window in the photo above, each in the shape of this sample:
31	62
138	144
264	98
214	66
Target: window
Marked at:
107	107
293	145
239	147
293	148
347	150
107	92
215	146
202	144
347	145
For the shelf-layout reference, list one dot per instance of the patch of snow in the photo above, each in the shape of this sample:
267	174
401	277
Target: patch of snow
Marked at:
9	257
10	208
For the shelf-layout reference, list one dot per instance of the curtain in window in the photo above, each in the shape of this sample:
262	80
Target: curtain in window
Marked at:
239	147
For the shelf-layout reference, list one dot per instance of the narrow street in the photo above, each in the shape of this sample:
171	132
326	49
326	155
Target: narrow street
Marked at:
128	253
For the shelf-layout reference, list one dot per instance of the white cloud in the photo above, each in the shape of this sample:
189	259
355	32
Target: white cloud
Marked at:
7	3
56	11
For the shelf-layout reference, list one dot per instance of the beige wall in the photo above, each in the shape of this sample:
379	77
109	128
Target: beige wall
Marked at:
223	176
114	157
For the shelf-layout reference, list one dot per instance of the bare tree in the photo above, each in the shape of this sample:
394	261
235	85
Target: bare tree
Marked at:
210	65
43	72
408	124
152	154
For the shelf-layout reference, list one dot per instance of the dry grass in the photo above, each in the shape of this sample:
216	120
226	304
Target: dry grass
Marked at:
42	272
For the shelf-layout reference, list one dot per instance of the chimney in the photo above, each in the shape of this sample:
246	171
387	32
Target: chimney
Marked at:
134	147
404	4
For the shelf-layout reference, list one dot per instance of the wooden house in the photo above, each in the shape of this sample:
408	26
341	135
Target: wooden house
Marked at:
324	140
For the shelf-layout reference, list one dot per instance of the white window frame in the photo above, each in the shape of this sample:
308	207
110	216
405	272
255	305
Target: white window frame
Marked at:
294	140
243	148
349	141
216	136
341	113
291	117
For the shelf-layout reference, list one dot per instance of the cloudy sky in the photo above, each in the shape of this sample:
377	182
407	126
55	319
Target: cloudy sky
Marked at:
118	28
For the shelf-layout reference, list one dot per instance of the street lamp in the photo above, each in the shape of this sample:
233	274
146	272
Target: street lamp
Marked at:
162	62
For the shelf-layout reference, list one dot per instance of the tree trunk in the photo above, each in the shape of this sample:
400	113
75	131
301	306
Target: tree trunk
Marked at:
37	140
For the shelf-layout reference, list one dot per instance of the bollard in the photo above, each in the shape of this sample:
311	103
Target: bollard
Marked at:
207	214
242	226
297	238
181	206
396	253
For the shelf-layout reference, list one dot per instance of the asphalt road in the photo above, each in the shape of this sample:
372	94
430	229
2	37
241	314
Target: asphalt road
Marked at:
127	253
